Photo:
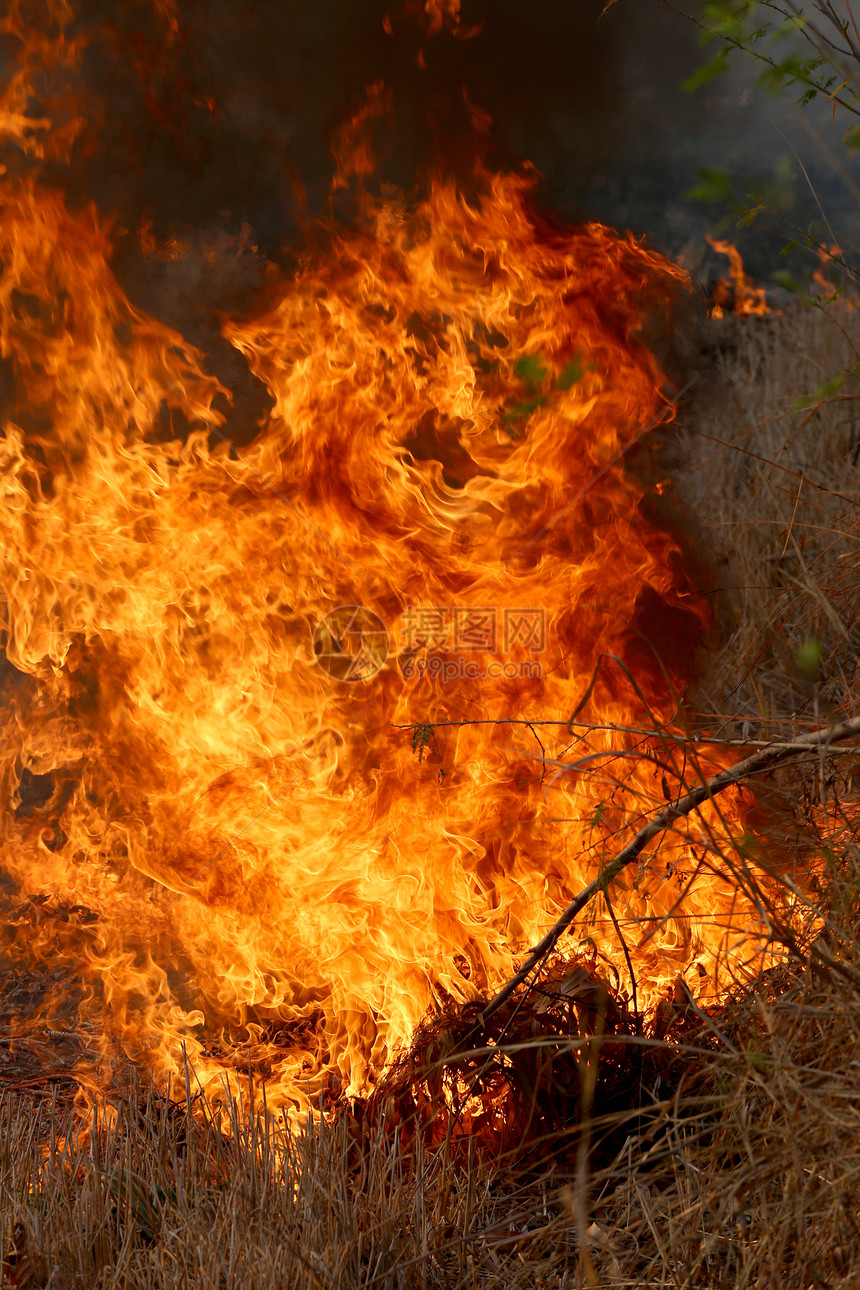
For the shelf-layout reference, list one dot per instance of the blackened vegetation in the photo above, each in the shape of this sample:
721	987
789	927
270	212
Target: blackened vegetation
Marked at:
563	1062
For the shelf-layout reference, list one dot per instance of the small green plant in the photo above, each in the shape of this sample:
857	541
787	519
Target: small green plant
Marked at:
809	49
423	739
539	384
809	657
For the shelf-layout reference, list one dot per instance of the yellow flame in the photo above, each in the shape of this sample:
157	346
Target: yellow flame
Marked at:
234	850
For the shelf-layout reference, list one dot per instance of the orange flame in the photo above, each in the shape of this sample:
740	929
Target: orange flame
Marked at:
45	55
218	837
737	293
441	13
828	290
268	868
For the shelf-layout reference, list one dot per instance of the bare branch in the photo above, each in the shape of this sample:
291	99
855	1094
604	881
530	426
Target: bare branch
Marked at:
760	761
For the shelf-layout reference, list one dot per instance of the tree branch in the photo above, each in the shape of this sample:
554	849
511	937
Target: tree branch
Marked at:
760	761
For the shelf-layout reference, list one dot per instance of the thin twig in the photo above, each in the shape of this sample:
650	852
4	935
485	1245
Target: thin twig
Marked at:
701	740
759	762
626	952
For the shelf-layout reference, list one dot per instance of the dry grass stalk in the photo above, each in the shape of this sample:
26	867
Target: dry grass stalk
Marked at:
773	491
155	1197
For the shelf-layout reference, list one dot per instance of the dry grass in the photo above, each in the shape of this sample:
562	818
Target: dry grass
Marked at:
744	1170
161	1198
773	492
739	1162
754	1176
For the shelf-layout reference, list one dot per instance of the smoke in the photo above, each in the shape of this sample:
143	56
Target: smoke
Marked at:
214	130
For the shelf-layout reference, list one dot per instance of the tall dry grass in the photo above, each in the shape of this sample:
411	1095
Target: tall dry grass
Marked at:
160	1195
743	1170
772	490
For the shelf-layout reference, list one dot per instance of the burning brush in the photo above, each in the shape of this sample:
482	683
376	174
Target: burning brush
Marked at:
234	854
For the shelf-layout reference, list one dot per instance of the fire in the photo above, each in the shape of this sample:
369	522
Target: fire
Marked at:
827	289
737	293
442	12
219	838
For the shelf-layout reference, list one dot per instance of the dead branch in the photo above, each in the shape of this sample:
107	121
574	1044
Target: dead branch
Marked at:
763	760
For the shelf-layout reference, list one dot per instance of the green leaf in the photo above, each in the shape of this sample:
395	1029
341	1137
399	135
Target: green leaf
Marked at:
809	657
792	70
729	19
795	23
749	216
131	1190
422	736
825	391
570	374
707	72
714	186
522	411
530	368
786	281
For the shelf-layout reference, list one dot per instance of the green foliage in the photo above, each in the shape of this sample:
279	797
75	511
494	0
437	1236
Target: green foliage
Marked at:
810	50
599	814
539	384
729	19
827	390
422	739
809	657
746	197
787	281
718	66
522	411
570	374
759	1061
715	186
791	50
749	216
531	371
794	70
133	1196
